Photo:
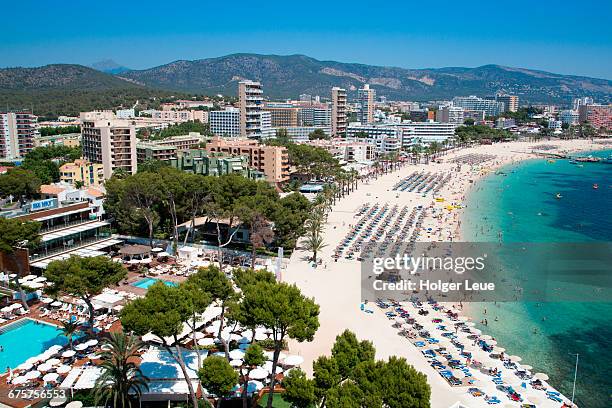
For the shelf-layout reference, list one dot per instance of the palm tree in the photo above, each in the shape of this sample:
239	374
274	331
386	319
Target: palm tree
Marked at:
314	229
69	329
121	379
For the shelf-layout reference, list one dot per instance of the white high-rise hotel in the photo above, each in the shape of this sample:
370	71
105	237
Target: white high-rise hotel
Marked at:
16	134
255	123
366	98
338	113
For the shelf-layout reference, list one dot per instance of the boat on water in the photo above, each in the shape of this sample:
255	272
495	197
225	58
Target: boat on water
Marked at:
573	161
551	161
595	186
606	160
588	159
558	196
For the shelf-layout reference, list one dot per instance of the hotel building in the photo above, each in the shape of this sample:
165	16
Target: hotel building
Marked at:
109	141
338	114
250	101
82	171
366	97
17	130
273	161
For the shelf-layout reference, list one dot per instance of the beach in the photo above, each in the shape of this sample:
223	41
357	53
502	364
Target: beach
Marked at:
336	285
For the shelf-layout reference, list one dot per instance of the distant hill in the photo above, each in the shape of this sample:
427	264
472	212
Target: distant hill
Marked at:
288	76
65	89
109	66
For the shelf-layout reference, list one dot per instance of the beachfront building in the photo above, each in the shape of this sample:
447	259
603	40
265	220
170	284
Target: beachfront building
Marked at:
426	132
71	222
225	122
109	141
82	171
339	111
349	151
599	116
569	117
67	139
273	161
214	164
474	103
450	114
17	132
366	98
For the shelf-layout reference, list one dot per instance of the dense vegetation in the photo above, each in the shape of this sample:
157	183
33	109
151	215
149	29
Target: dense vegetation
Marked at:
45	162
351	377
59	130
153	204
479	132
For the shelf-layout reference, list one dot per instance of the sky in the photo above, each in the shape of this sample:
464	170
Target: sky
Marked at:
557	36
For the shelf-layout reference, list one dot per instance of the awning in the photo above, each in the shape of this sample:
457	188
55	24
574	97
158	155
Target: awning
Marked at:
73	231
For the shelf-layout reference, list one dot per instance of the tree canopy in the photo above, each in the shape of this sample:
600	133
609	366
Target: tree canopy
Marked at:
46	161
218	377
351	377
83	278
19	182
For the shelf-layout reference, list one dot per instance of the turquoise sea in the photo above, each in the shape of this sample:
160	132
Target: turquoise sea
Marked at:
521	203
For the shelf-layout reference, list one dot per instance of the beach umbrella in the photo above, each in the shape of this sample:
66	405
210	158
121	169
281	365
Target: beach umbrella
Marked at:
515	359
56	303
24	366
93	356
476	331
68	353
33	360
45	367
54	361
157	250
470	324
199	335
74	404
19	380
498	350
51	377
268	367
541	376
54	349
258	374
63	369
486	337
293	360
236	354
207	341
92	343
526	367
491	342
30	375
236	363
57	401
81	347
46	300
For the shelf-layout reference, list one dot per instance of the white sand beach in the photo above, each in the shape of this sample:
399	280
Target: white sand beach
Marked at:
336	285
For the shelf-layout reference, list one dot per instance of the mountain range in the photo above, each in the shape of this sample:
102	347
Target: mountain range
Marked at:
68	88
291	75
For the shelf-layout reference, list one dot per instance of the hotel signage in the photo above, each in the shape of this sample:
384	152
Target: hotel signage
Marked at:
43	204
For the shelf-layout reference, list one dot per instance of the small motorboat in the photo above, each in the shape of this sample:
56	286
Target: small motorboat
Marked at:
558	196
595	186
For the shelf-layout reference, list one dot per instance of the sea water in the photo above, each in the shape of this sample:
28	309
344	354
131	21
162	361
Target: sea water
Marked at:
519	204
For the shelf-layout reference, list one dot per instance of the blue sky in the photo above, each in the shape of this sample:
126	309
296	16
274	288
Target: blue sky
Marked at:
557	36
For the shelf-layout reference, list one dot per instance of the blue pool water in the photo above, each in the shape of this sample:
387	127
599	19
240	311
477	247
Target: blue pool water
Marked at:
147	282
27	338
521	205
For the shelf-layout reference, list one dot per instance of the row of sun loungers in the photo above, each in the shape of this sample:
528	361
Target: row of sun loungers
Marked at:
423	182
473	158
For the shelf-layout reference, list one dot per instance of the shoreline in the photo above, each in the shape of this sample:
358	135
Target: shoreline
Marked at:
335	285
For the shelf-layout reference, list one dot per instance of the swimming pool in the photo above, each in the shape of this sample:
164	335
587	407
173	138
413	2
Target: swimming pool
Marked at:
146	282
27	338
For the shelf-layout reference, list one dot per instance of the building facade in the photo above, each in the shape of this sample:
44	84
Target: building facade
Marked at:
250	100
17	131
273	161
225	122
282	115
109	141
338	114
450	114
599	116
570	117
214	164
366	97
153	151
82	171
474	103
